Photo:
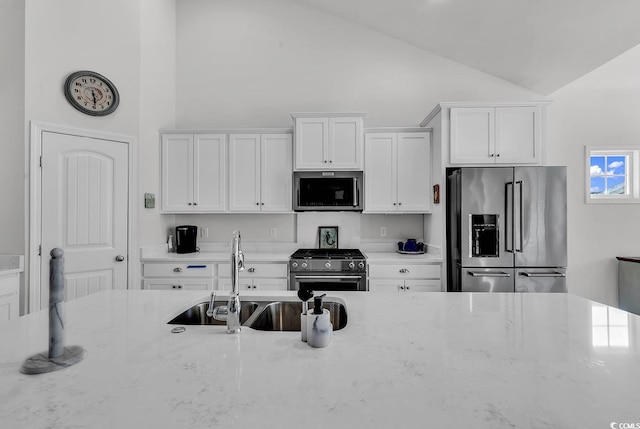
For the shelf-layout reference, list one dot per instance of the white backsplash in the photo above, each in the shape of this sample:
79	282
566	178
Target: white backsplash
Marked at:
348	228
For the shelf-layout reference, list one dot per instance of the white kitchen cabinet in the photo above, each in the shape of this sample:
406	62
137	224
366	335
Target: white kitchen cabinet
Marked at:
9	297
328	141
181	275
398	172
496	135
392	278
178	284
194	173
260	171
256	276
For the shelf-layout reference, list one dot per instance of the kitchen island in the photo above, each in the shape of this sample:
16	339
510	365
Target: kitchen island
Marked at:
419	360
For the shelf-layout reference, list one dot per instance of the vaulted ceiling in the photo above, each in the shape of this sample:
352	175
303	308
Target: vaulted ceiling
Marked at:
541	45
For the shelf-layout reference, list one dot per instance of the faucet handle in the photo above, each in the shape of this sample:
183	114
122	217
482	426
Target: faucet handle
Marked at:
212	301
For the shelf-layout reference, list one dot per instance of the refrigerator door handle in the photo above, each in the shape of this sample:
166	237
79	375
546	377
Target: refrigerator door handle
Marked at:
508	222
485	274
554	274
517	218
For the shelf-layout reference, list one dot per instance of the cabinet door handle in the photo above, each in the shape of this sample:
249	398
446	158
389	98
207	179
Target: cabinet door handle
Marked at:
251	270
497	154
404	271
177	270
492	155
189	203
257	204
406	287
195	204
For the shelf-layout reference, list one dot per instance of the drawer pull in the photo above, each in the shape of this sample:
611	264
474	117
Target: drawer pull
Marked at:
196	266
404	271
251	270
177	270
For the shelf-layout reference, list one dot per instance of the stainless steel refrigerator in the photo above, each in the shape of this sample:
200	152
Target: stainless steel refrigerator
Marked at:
507	229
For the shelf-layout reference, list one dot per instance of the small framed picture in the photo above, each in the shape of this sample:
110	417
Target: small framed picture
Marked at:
328	237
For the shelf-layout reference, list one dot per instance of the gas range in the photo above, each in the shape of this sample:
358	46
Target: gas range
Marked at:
328	269
347	260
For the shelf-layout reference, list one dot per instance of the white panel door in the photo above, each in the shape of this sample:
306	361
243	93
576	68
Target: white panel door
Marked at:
85	185
414	172
210	172
518	132
244	181
345	143
276	173
311	142
177	173
472	135
380	172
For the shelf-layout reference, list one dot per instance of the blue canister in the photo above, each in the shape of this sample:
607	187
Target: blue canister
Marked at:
411	245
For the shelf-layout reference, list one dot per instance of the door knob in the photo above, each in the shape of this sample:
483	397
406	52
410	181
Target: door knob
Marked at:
119	258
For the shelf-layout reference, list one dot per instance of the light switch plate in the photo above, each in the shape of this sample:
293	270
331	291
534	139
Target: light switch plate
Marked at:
149	201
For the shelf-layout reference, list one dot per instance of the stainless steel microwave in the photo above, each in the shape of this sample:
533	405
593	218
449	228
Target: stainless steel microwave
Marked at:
328	191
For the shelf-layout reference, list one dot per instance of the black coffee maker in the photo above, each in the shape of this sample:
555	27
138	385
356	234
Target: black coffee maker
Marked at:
186	238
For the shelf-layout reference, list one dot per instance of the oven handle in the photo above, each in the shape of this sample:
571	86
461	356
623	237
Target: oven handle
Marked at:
328	277
355	193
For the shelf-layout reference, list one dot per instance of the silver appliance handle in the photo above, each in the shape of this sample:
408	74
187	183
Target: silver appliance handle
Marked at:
517	219
508	217
484	274
554	274
327	277
355	192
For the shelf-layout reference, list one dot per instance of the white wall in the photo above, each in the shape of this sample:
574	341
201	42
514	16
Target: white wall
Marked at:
157	109
248	63
601	108
12	145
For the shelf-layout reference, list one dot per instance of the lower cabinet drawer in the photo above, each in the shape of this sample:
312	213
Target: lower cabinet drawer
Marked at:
402	285
422	286
254	284
405	271
177	284
158	269
256	270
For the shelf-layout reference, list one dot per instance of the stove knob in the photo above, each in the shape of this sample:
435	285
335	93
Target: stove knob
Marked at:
327	265
294	264
361	265
352	265
304	265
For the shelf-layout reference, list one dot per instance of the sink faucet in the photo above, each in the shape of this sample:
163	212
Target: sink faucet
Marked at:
231	312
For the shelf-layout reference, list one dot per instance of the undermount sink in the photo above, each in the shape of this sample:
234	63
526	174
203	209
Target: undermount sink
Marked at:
278	314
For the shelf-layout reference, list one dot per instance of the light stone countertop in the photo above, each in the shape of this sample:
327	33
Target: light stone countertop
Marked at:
399	258
213	257
429	360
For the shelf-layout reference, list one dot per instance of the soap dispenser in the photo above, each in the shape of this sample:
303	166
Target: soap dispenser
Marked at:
319	327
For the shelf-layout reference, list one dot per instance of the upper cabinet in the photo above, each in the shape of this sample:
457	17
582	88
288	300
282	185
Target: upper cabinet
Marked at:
193	173
326	141
260	172
491	133
397	172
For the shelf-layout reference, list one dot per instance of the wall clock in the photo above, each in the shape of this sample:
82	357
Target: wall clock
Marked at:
91	93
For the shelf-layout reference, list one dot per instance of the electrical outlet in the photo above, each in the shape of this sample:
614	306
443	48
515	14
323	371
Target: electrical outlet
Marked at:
383	231
273	232
204	232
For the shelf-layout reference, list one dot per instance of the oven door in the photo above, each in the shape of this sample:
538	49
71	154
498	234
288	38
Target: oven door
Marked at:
328	281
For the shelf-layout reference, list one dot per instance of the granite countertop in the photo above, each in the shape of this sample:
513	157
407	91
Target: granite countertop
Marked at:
628	258
11	264
400	258
420	360
213	257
